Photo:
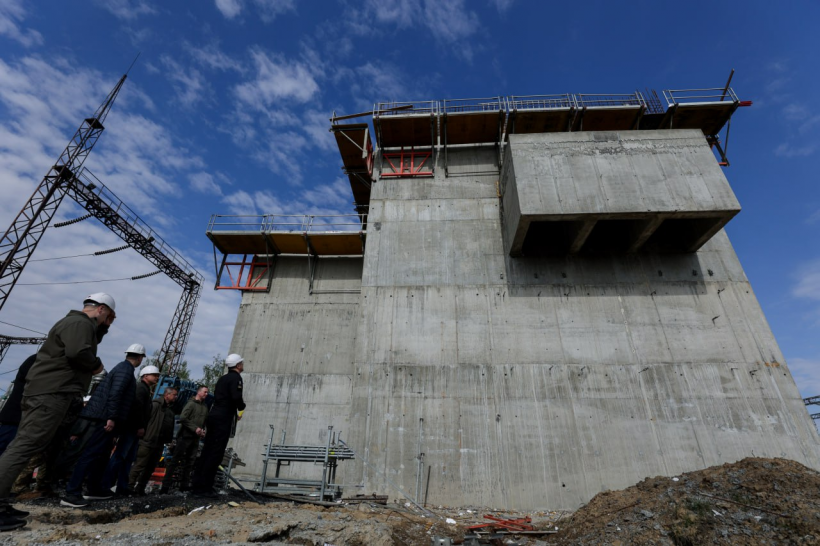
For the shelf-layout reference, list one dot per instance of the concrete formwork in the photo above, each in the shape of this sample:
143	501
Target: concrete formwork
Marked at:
527	382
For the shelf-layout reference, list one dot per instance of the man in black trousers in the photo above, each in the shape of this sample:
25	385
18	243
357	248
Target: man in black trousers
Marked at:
228	406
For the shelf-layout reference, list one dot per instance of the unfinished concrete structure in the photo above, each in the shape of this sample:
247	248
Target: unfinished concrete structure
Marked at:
541	304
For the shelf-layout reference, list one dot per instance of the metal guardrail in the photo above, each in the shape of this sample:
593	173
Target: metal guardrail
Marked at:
631	99
301	223
691	96
464	106
392	108
546	102
541	102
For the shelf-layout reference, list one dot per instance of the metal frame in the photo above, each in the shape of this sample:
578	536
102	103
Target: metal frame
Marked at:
409	169
430	108
7	341
251	281
18	243
477	105
329	456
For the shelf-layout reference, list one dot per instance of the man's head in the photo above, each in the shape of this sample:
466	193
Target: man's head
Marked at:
100	307
135	354
201	393
149	375
170	395
235	362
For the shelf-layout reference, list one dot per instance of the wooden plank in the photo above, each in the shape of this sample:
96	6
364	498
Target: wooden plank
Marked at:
473	127
405	131
337	244
710	118
540	121
620	118
353	156
238	242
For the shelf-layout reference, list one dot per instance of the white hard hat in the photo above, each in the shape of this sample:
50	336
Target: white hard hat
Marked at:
233	360
149	370
101	298
136	349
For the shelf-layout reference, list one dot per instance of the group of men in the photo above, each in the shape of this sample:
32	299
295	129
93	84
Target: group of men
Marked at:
49	421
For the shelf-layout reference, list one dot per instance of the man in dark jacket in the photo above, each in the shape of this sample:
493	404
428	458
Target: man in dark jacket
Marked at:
228	406
11	413
103	416
192	428
160	431
119	466
62	370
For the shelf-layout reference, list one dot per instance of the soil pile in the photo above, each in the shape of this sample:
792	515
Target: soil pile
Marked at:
753	501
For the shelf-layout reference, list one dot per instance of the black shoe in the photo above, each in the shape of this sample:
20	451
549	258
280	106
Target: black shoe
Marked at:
12	512
8	523
73	501
98	495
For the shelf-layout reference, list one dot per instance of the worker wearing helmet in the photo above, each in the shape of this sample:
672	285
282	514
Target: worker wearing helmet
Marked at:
228	407
158	432
102	420
61	372
119	466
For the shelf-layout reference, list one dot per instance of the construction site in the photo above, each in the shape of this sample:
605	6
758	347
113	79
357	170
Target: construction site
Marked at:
531	327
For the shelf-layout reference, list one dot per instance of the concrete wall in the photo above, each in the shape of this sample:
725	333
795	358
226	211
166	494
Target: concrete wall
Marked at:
526	382
298	350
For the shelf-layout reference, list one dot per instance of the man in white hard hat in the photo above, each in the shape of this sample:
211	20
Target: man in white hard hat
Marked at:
228	406
119	469
101	421
61	372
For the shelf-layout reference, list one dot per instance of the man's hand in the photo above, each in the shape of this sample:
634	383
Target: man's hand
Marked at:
109	425
99	368
140	433
198	431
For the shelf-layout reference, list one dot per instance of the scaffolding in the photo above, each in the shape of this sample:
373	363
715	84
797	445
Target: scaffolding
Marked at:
409	135
249	244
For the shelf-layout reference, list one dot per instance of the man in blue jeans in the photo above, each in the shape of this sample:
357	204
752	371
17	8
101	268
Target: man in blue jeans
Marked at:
109	405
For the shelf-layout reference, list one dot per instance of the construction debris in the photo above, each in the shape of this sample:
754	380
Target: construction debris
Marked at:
753	501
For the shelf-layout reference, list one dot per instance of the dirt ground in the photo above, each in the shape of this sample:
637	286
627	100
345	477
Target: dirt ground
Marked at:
753	501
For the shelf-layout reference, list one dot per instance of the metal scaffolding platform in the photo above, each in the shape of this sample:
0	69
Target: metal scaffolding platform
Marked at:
409	134
258	239
328	456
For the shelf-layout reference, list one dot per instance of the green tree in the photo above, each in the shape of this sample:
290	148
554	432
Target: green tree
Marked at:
212	372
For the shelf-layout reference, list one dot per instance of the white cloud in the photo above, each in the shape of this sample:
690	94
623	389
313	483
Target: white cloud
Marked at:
323	199
502	5
190	86
316	126
204	183
806	372
127	10
276	79
788	150
212	57
12	14
449	21
268	9
229	8
808	281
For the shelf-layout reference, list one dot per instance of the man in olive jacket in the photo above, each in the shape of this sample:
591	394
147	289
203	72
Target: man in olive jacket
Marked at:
160	431
62	370
104	416
192	428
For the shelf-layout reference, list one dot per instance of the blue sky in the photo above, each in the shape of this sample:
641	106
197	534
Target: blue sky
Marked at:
226	111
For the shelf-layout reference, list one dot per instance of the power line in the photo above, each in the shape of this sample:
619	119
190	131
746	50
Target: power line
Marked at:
98	253
61	257
70	282
22	328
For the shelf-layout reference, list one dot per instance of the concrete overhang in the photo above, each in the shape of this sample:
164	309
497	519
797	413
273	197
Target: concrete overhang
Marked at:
605	192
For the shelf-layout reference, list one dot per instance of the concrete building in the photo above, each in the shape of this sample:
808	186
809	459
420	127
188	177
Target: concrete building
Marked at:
540	305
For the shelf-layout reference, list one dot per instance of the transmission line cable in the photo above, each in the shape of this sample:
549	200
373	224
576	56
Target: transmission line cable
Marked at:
134	278
22	328
98	253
